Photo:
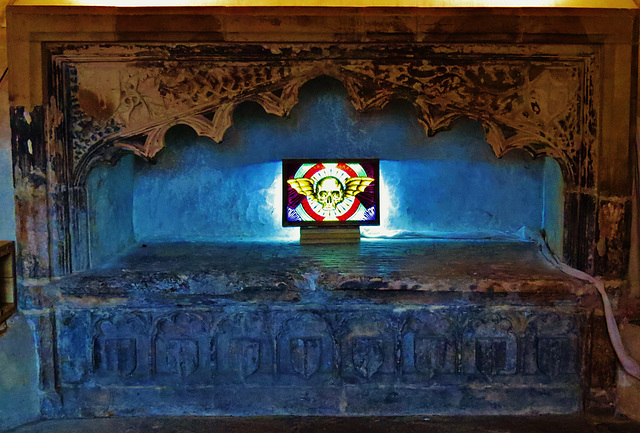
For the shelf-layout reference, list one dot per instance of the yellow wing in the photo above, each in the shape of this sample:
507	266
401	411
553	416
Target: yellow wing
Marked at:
303	186
356	185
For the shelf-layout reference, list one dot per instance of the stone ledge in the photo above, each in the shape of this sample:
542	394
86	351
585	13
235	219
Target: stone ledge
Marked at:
373	272
310	424
350	400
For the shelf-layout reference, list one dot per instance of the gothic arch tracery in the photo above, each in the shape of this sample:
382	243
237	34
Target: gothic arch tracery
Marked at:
538	103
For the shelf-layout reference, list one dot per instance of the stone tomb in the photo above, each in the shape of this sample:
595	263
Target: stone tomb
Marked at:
271	327
384	327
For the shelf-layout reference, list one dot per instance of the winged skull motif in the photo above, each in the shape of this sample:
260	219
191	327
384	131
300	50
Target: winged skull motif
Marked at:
329	191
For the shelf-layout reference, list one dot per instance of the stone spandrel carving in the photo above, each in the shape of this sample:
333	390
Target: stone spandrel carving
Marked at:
130	100
542	105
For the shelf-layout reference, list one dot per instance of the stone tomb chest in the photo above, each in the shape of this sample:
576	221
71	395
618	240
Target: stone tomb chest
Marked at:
152	260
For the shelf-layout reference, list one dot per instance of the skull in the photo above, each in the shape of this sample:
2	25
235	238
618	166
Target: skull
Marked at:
329	192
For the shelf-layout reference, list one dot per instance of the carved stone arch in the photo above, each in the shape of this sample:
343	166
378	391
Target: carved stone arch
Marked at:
102	153
540	107
516	112
151	140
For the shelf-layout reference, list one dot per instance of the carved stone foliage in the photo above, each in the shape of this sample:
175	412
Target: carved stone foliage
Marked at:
128	97
535	106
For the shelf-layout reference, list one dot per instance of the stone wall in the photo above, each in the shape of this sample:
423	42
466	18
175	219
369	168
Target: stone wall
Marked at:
538	102
19	402
7	219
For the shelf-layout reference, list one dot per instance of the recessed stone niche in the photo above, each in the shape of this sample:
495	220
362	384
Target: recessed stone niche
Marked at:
159	290
447	186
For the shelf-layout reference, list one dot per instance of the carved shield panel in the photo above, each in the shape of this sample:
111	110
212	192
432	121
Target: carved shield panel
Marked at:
245	356
368	356
182	356
430	353
118	355
306	354
556	356
491	355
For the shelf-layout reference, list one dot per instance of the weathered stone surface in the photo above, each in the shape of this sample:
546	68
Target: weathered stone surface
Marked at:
19	400
221	361
116	97
421	327
377	270
523	98
628	387
546	99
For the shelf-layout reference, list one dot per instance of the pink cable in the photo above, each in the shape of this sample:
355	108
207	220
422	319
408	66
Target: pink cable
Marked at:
629	364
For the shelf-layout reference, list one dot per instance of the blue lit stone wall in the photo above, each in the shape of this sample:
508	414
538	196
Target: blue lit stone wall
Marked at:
7	220
110	192
19	395
19	401
553	217
7	211
448	184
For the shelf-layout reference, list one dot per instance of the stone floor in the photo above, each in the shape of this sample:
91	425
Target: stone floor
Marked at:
541	424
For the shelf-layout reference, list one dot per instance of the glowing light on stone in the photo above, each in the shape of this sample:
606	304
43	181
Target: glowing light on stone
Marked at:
388	208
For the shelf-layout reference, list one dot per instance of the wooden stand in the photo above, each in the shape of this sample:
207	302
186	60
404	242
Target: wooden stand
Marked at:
329	235
7	281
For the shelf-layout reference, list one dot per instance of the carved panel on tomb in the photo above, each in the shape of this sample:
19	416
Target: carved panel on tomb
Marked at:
244	351
121	346
490	346
429	347
556	345
74	347
181	347
527	98
306	350
432	345
367	349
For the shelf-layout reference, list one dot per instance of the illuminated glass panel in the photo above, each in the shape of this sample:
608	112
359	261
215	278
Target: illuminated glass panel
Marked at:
330	192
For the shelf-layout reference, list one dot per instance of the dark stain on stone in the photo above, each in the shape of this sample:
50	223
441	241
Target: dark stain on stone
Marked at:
95	106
